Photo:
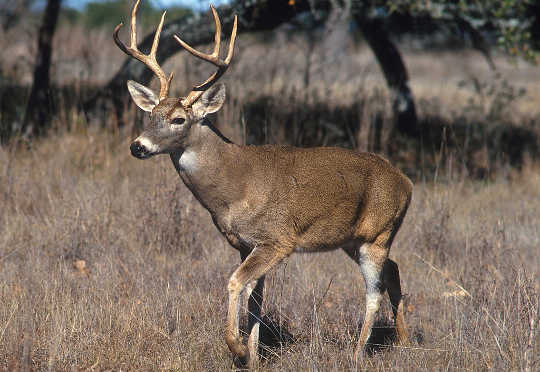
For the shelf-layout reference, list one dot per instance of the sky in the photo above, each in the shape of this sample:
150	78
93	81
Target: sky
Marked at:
194	4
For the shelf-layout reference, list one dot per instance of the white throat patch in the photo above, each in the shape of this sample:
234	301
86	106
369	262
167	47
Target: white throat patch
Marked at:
188	161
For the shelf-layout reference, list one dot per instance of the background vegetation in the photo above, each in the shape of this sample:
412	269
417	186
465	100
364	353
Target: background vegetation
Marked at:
110	263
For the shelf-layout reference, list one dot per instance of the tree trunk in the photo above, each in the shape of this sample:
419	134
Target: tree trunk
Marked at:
394	71
39	110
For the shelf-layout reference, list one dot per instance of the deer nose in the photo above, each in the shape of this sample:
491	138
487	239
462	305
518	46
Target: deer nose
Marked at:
137	149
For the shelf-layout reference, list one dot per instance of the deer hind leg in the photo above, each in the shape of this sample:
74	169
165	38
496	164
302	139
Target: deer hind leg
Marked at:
255	300
256	264
371	259
393	286
389	280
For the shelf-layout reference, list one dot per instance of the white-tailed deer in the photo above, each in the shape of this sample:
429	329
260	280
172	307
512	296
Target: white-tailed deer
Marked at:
272	201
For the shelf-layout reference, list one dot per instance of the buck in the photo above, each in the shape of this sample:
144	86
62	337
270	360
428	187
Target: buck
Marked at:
272	201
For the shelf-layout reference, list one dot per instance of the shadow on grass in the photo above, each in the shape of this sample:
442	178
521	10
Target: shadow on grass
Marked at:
477	147
462	142
383	336
273	335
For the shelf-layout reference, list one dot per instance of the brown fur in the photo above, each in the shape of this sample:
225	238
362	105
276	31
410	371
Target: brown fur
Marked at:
270	201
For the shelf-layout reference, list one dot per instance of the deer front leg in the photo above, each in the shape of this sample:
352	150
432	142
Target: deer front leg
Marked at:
259	261
253	294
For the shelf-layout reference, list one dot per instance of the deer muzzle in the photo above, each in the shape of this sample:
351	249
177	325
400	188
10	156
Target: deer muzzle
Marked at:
139	150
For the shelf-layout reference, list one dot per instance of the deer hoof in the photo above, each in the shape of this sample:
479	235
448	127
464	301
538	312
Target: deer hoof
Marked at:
241	362
239	351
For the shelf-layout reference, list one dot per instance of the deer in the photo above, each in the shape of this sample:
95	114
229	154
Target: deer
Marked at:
272	201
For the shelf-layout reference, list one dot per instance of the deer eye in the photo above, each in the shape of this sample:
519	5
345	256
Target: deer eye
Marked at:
178	121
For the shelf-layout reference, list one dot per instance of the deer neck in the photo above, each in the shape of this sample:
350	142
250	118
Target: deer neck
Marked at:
205	167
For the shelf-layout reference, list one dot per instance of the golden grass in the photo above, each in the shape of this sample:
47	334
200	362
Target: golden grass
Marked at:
152	292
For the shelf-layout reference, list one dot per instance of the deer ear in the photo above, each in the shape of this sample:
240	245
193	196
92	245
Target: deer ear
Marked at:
210	102
143	97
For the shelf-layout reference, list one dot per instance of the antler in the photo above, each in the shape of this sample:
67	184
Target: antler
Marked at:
150	59
213	58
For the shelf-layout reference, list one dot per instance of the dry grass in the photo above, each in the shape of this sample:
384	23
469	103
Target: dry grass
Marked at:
109	263
152	290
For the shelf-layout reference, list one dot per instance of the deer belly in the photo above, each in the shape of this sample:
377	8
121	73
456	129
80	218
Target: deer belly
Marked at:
323	237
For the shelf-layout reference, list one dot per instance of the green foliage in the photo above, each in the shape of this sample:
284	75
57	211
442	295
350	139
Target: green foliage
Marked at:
510	21
69	15
153	16
109	13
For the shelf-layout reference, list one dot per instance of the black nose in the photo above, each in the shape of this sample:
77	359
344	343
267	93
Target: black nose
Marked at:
137	149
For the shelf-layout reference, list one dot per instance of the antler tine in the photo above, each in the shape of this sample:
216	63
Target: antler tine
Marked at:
232	41
133	33
150	59
213	58
217	36
157	35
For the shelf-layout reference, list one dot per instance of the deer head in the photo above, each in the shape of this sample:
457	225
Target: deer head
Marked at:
171	119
